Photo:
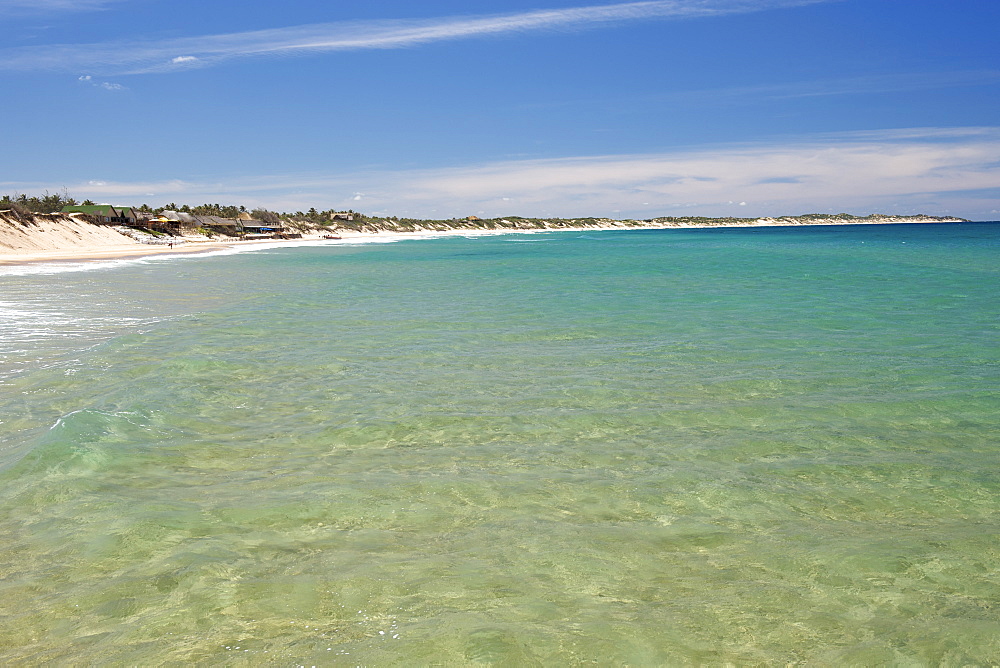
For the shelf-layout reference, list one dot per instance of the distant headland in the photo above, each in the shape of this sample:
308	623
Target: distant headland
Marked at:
55	227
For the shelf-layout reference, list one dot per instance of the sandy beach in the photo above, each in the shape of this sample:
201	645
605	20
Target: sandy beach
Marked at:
106	253
83	252
68	239
62	238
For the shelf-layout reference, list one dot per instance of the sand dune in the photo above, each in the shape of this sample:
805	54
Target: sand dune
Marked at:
58	236
32	233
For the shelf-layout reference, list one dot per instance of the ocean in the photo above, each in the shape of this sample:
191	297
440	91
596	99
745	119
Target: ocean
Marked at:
679	447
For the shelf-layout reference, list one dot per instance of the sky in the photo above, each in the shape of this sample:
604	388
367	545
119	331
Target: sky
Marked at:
536	108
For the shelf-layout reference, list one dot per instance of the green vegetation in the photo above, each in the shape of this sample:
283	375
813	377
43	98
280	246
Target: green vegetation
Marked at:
47	203
333	220
227	211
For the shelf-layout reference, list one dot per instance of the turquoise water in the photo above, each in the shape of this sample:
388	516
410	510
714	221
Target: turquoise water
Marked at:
680	447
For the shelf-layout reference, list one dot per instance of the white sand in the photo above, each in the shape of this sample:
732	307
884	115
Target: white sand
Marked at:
55	232
52	237
62	237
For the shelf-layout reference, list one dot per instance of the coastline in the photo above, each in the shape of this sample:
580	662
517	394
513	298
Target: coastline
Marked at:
101	250
91	253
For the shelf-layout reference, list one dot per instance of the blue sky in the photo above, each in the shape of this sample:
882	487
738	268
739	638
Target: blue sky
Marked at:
522	107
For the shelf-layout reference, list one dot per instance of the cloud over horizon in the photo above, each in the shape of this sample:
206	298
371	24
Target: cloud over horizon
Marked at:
913	170
206	50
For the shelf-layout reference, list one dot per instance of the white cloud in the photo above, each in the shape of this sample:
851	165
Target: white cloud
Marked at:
140	57
106	85
829	172
931	170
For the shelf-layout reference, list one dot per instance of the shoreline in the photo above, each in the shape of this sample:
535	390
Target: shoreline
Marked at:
97	252
93	253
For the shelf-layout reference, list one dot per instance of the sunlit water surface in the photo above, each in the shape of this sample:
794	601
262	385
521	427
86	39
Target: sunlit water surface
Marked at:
646	447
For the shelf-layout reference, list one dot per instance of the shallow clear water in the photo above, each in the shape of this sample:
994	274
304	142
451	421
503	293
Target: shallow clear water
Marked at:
643	447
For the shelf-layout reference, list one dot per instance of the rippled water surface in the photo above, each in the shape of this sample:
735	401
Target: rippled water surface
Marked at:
641	447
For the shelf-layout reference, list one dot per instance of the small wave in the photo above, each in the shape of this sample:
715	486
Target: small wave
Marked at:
48	267
63	266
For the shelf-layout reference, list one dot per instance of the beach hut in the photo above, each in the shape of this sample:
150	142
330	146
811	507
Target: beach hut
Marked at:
175	221
104	213
219	224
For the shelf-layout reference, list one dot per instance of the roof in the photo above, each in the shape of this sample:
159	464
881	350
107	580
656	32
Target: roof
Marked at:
216	220
94	209
179	216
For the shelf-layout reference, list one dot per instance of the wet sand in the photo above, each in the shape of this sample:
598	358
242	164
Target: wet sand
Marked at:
108	253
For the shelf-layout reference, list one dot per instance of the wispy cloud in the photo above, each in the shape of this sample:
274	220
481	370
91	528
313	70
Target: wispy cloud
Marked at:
819	88
863	85
36	6
930	170
202	51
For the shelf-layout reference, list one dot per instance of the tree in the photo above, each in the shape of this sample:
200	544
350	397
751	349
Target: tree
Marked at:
47	203
265	216
216	210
